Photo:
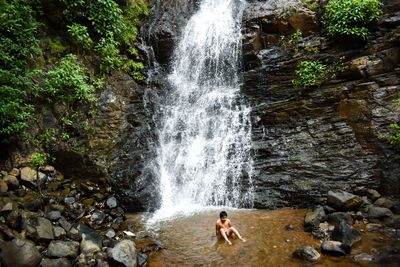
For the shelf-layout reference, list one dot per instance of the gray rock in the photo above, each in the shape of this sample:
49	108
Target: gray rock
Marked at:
337	217
363	257
65	224
101	263
63	249
61	262
38	228
373	194
3	186
312	219
91	240
392	221
15	172
110	233
373	227
307	253
98	217
74	234
48	169
53	215
111	202
378	212
11	181
59	232
32	204
124	252
20	253
384	203
346	234
28	176
340	199
9	207
141	259
145	249
69	200
14	219
335	248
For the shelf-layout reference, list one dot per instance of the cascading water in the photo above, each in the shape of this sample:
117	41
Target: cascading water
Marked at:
203	155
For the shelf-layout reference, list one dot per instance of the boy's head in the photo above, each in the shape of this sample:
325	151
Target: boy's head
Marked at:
223	215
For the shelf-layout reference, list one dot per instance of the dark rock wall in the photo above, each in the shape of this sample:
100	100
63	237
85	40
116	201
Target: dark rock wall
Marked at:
307	143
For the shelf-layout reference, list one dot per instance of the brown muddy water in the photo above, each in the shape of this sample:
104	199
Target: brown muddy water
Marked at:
190	240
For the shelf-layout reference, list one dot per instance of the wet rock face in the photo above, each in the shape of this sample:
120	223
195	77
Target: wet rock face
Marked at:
306	144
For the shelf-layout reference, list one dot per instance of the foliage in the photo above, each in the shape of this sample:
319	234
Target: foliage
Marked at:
68	83
294	41
80	36
351	17
311	4
56	48
394	138
39	159
109	54
18	46
310	73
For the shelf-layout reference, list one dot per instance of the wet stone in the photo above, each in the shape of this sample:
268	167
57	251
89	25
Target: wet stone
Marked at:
335	248
15	172
20	252
124	252
373	194
141	259
110	233
385	203
307	253
378	212
69	200
346	234
11	181
312	219
28	176
289	227
14	219
145	249
337	217
60	262
38	228
65	224
98	217
9	206
3	186
59	232
32	204
363	257
53	215
91	240
111	202
74	234
318	234
63	249
340	199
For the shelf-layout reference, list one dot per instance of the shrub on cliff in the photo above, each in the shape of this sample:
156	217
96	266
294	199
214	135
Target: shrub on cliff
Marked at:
351	17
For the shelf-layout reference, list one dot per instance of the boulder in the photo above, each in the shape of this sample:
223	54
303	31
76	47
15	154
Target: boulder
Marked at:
346	234
335	248
378	213
28	176
20	253
124	252
59	232
337	217
392	221
91	240
38	228
63	249
340	199
111	202
61	262
11	181
312	219
307	253
373	194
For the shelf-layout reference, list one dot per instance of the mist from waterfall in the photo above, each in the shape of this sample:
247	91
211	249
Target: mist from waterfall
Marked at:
203	154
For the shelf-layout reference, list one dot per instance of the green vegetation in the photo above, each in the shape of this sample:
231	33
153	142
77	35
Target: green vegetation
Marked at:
107	28
294	41
313	73
394	138
311	4
351	17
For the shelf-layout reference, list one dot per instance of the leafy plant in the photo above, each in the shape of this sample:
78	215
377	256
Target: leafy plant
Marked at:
56	48
310	73
394	138
311	4
80	35
351	17
294	41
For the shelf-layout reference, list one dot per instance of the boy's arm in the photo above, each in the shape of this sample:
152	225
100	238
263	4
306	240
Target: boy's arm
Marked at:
217	229
229	223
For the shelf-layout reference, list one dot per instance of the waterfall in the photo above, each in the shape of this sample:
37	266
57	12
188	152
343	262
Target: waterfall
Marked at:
204	133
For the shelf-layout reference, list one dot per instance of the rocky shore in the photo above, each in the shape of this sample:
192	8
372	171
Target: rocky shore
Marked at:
51	221
341	224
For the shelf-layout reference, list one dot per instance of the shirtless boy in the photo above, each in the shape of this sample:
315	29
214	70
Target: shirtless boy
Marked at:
224	228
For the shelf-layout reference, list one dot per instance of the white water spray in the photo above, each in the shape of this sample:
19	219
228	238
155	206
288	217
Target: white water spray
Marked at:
205	134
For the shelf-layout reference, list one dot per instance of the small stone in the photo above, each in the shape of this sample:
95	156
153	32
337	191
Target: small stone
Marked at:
312	219
63	249
373	227
91	240
3	186
60	262
145	249
65	224
20	253
53	215
337	217
88	201
59	232
28	175
38	228
11	181
14	219
101	263
32	204
363	257
318	234
15	172
74	234
69	200
130	234
141	259
378	212
110	233
385	203
9	206
48	169
335	248
289	227
307	253
124	252
373	194
98	217
112	202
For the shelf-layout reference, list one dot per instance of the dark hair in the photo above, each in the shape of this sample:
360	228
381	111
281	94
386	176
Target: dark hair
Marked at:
222	214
